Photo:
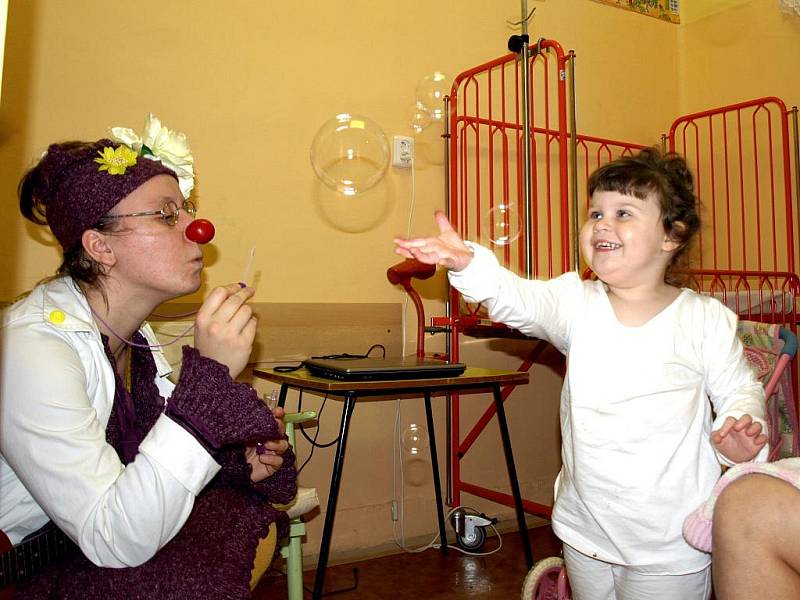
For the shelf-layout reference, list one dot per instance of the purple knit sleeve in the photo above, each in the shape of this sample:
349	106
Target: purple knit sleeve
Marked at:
281	486
235	469
217	410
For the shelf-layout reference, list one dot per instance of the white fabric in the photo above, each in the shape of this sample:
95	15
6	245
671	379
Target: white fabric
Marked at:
635	415
304	502
592	579
56	395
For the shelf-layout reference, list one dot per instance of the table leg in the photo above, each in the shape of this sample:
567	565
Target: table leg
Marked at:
512	475
333	495
437	486
282	395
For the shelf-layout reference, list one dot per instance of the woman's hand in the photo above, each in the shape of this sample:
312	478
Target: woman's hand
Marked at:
739	440
267	457
447	249
265	464
225	327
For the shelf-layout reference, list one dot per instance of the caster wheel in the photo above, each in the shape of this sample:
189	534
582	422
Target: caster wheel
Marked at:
474	542
547	580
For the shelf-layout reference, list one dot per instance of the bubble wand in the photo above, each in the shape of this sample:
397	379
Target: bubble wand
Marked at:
248	267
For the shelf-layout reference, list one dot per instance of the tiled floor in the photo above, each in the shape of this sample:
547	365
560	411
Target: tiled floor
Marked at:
429	574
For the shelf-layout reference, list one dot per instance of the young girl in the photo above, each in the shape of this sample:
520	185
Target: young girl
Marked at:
166	489
643	356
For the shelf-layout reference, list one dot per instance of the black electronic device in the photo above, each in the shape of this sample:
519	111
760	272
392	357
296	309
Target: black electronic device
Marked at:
382	369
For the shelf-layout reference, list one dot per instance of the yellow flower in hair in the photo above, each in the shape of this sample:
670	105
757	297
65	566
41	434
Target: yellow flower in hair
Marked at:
162	144
115	161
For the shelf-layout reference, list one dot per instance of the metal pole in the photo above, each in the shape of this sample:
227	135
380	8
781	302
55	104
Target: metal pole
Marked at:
512	475
573	164
446	138
333	495
447	345
527	208
796	159
437	487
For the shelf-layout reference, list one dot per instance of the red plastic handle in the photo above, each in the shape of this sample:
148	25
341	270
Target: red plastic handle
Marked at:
409	268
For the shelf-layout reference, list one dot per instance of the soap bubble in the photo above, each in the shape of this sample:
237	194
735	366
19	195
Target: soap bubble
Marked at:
502	224
431	91
419	117
415	439
350	154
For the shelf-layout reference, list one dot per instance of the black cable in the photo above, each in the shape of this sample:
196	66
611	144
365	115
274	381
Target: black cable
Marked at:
310	440
313	441
381	346
344	355
305	462
348	355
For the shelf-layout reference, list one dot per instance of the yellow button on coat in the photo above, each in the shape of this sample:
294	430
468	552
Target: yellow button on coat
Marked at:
57	317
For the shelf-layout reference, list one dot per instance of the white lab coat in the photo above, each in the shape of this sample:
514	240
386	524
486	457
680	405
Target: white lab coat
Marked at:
56	395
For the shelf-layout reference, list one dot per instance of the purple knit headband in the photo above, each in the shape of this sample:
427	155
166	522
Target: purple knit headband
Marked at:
81	192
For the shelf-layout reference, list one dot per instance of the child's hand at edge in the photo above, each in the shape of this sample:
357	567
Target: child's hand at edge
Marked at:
447	250
739	440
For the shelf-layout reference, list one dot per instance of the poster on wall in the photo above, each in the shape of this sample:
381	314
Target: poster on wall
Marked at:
666	10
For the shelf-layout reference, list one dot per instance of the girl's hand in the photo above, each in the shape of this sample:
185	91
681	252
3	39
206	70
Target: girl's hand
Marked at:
739	440
225	327
447	250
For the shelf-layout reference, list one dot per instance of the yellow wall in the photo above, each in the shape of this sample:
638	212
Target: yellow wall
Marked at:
700	9
250	82
3	17
747	51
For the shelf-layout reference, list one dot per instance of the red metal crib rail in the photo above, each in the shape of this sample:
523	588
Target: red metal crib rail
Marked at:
740	156
746	253
487	192
741	161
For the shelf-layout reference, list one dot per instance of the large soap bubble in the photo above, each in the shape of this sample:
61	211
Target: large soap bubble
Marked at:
350	154
431	91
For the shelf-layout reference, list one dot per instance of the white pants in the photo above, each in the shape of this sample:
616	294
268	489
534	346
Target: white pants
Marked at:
592	579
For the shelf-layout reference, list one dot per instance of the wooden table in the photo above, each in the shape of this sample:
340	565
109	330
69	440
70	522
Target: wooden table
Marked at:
473	379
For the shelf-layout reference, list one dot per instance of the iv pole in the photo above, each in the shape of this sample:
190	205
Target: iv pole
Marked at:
520	45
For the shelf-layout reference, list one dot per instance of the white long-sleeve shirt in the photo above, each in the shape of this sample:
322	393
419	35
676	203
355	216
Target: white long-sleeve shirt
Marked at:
635	413
56	395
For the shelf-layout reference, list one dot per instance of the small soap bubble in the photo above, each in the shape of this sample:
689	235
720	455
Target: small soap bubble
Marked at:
501	224
431	91
419	117
350	154
415	439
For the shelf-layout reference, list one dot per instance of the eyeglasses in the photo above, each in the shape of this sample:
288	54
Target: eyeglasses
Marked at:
169	213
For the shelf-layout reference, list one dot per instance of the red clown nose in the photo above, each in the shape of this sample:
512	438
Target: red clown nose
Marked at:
200	231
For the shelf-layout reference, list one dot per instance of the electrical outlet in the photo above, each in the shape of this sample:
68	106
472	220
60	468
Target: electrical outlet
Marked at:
402	151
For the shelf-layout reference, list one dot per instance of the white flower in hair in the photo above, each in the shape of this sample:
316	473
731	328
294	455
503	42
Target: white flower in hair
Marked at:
164	145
